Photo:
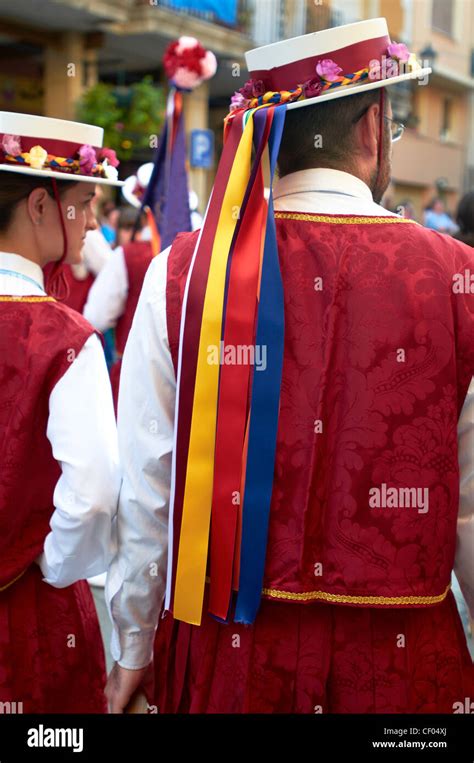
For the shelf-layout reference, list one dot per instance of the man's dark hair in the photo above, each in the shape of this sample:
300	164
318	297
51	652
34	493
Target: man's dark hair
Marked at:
334	121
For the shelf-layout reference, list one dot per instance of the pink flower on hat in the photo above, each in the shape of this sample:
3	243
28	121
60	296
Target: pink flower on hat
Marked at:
87	159
312	87
399	51
328	69
110	155
11	144
239	102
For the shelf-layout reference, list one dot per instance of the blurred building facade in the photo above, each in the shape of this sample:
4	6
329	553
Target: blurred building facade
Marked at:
119	40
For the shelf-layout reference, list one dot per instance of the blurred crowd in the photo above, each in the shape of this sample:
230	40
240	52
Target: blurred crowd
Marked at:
460	224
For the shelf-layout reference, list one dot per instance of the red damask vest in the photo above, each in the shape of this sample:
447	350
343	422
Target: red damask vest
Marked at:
39	338
137	256
379	353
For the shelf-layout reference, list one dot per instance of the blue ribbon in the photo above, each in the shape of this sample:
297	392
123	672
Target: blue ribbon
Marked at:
265	402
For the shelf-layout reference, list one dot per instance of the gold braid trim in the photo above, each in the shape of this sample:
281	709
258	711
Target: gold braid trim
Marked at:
4	587
26	299
337	598
387	601
349	220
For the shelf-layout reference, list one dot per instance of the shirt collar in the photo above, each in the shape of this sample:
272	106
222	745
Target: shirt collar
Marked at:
320	179
19	264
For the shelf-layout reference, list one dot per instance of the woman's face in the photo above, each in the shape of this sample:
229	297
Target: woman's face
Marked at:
78	219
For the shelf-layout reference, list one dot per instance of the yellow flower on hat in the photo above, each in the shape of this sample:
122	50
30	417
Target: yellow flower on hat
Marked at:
38	157
413	64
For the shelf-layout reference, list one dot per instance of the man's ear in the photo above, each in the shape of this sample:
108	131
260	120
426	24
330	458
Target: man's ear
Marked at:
368	131
36	205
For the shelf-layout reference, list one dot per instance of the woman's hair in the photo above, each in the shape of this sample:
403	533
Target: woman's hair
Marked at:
465	213
130	217
14	187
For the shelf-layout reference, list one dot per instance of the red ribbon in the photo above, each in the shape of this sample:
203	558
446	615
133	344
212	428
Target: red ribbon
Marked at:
192	325
234	388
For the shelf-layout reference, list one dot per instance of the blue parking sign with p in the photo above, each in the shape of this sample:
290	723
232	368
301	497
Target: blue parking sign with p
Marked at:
202	148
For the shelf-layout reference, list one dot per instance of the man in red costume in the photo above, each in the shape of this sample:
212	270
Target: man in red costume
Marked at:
370	510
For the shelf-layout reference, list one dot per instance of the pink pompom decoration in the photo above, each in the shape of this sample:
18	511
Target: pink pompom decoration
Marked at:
398	51
208	65
328	70
186	79
186	43
87	158
11	145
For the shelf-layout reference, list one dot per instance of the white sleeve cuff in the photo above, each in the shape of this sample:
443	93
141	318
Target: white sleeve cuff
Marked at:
132	650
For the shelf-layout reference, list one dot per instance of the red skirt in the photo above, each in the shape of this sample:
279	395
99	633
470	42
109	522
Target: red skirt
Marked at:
316	658
51	652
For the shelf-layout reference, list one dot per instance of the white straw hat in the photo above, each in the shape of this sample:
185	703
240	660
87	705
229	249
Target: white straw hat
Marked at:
325	65
56	148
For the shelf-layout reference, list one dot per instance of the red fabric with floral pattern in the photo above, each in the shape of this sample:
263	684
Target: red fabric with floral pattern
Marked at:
381	355
381	352
39	666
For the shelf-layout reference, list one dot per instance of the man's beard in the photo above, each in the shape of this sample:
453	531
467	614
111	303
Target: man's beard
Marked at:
379	182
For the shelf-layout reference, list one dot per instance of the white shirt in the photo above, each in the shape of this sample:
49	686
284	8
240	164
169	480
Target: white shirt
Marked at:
146	420
95	253
108	294
81	430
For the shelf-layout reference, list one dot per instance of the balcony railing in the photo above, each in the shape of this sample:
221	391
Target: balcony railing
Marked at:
242	24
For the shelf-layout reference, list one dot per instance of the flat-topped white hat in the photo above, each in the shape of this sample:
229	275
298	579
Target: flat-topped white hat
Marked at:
56	148
321	66
135	186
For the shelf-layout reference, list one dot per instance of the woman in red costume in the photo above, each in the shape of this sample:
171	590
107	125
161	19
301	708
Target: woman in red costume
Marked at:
59	478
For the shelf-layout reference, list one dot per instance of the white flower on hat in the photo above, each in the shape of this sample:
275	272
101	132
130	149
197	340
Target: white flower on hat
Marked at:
111	173
38	156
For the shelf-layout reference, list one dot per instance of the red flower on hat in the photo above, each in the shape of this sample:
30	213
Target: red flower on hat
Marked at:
312	87
247	90
253	88
110	155
258	88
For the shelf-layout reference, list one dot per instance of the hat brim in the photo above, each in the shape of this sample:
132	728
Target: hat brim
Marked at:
341	92
61	175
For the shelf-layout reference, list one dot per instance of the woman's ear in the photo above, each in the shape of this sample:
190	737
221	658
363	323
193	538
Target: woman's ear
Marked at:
36	205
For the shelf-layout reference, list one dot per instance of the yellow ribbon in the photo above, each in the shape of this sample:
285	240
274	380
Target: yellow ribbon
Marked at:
194	537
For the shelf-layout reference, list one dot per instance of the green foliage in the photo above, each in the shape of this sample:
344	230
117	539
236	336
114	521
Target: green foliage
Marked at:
129	115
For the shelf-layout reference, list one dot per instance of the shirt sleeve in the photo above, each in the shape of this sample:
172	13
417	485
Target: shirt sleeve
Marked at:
464	560
136	580
108	294
82	432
